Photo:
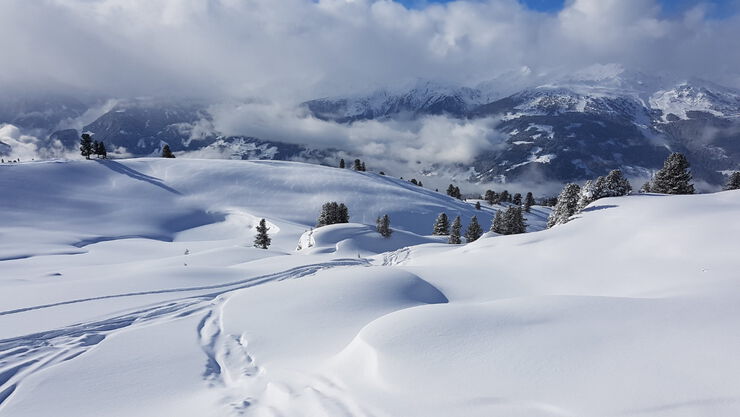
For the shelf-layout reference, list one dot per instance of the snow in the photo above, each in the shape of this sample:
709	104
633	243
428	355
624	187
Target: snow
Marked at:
130	287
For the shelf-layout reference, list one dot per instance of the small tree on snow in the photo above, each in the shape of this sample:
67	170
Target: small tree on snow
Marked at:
333	213
262	240
167	152
441	225
490	197
86	145
514	221
455	232
341	163
733	183
497	225
566	206
517	199
528	202
674	177
383	226
477	205
357	165
473	231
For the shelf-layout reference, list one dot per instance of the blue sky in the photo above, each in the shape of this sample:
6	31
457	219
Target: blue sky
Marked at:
717	8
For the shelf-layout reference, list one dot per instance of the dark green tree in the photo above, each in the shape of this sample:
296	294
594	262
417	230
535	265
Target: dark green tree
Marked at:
167	152
474	231
455	232
262	239
733	183
517	199
490	197
341	163
441	225
86	145
477	205
357	165
528	202
674	177
383	226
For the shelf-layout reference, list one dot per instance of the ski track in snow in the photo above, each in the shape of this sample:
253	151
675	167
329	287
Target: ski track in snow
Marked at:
227	361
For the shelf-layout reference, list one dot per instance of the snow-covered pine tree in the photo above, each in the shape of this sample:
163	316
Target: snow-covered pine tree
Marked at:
167	152
86	145
441	225
341	163
333	213
451	190
616	185
383	226
514	221
474	231
262	240
477	205
362	167
455	232
733	183
566	206
357	165
674	177
497	225
528	202
342	213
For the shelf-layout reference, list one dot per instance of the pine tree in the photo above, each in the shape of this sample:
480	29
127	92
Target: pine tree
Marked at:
566	206
490	197
358	165
733	183
262	240
504	197
477	205
514	221
517	199
451	190
455	232
383	226
474	231
528	202
674	177
497	225
362	167
441	225
102	152
86	145
96	148
616	185
341	163
167	152
333	213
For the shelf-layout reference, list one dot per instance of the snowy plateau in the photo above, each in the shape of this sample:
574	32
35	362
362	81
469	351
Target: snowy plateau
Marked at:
131	287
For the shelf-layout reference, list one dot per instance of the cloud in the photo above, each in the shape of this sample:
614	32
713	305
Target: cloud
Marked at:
292	50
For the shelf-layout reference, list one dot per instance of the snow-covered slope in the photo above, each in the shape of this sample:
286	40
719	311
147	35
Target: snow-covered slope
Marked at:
131	288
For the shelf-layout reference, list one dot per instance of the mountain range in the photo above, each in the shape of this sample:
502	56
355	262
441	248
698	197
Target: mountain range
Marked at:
570	128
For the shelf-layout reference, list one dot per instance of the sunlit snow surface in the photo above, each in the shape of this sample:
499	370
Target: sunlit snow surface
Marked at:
130	288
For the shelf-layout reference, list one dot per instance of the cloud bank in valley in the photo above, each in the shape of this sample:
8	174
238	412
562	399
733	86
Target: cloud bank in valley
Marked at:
294	50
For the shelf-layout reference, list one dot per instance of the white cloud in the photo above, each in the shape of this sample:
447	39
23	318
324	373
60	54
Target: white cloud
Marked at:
298	49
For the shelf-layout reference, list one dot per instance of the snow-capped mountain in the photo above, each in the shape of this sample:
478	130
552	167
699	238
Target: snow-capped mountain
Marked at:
562	127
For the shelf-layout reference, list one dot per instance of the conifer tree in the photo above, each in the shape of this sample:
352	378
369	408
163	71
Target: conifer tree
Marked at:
86	145
358	165
441	225
102	152
473	231
566	206
362	167
477	205
333	213
341	163
262	239
455	232
167	152
517	199
451	190
733	183
95	148
514	221
383	226
674	177
497	225
528	202
490	197
504	197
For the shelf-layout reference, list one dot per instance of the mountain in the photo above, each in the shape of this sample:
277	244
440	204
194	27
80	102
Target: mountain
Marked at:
562	127
578	126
